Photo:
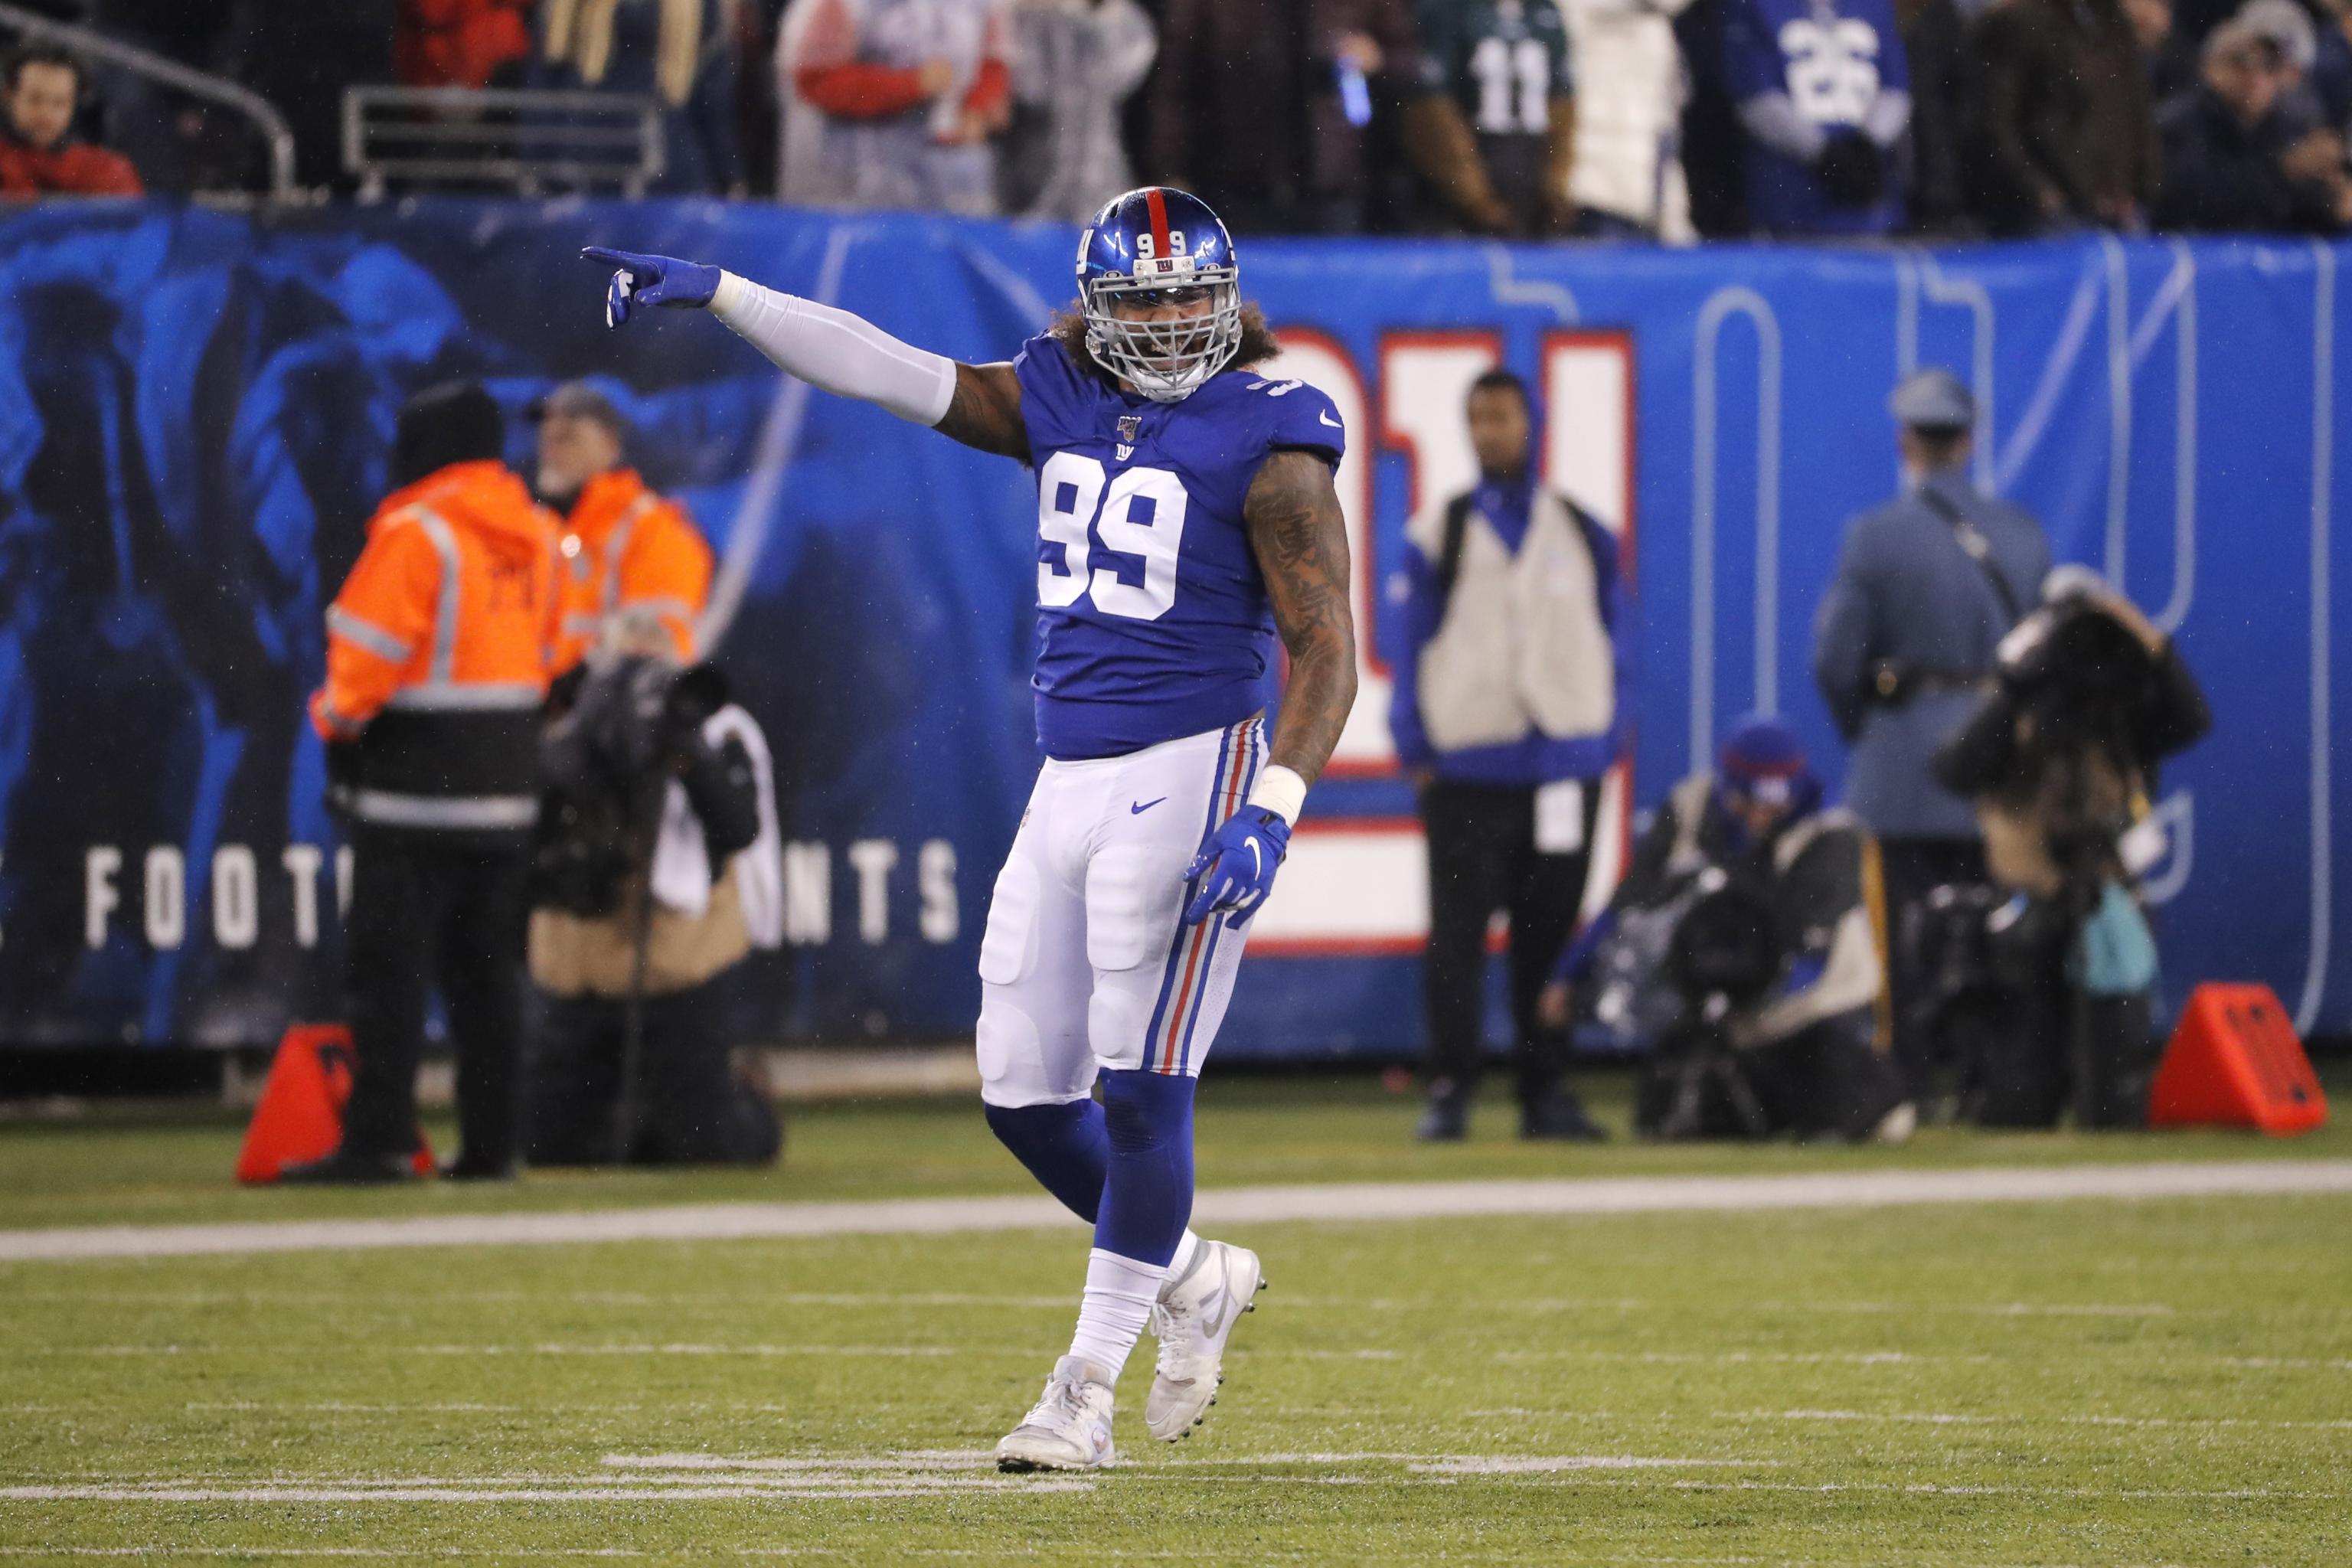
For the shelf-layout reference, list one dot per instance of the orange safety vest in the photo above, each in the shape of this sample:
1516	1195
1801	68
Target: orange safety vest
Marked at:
437	655
624	547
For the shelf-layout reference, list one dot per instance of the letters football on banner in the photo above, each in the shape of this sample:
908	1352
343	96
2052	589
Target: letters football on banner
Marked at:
197	407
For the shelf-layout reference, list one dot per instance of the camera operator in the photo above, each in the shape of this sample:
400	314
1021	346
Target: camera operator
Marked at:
1740	948
657	866
2059	759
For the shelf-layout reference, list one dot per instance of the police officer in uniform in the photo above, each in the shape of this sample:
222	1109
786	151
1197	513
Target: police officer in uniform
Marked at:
437	669
1927	586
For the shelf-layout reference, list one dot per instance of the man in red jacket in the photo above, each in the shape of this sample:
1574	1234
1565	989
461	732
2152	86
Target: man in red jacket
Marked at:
893	103
38	154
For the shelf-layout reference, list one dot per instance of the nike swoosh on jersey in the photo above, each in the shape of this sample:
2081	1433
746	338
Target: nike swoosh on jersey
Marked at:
1134	810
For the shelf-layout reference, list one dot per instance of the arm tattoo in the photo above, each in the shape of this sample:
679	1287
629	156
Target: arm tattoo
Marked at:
986	411
1300	537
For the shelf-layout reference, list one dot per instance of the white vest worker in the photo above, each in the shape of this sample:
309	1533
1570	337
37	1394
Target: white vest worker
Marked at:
1507	711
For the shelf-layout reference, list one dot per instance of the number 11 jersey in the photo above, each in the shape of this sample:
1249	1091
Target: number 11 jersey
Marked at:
1152	618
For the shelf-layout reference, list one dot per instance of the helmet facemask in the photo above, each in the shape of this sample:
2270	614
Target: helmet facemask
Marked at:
1165	361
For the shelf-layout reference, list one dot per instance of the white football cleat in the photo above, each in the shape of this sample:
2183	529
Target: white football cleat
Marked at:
1897	1125
1194	1318
1069	1429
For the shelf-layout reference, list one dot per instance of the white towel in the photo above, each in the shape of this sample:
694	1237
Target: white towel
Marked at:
681	876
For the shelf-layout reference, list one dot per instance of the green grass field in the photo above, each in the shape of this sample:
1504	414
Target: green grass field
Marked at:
2082	1382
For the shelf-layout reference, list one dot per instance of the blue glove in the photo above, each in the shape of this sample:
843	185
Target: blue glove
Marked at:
651	281
1236	865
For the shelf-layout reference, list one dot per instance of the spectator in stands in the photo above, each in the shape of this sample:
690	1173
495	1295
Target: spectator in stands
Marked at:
1824	96
1946	88
300	55
680	52
2234	161
2170	53
1509	711
1376	44
1075	63
2331	67
1245	109
39	155
1627	175
891	103
2288	27
1495	129
2069	129
1712	138
460	43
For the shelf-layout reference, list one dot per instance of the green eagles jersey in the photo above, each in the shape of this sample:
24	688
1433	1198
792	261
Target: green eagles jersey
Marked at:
1502	60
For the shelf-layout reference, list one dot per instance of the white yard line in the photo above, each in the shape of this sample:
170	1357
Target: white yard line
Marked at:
1232	1205
2007	1419
851	1492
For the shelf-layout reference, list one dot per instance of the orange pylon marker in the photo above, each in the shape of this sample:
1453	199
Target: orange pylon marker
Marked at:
2234	1061
301	1113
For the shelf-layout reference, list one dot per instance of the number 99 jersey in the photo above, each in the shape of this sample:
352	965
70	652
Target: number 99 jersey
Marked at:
1152	618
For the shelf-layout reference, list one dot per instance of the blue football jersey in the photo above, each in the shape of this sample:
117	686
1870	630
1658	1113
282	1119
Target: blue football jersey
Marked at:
1152	618
1833	58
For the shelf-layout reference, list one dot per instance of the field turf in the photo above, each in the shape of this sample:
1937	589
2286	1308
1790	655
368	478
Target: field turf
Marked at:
2084	1382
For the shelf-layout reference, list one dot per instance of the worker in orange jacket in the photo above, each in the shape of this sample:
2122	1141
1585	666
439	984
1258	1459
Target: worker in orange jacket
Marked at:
437	670
626	550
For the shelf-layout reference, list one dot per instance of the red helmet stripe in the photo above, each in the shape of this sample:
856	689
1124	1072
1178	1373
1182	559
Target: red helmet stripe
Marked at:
1158	220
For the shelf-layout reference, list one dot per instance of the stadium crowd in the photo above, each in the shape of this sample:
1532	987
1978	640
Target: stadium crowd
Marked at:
1664	118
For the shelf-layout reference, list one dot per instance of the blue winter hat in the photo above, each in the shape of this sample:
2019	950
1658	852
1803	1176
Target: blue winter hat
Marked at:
1763	761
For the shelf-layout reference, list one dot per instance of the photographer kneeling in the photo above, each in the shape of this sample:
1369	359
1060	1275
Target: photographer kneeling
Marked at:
2059	758
657	868
1740	949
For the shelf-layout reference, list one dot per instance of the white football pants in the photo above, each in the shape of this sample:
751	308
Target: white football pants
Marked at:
1086	964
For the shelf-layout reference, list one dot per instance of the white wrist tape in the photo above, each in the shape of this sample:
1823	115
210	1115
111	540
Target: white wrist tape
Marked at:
837	352
1281	791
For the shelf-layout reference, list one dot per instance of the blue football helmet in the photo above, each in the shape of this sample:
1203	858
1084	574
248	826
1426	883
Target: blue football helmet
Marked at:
1159	247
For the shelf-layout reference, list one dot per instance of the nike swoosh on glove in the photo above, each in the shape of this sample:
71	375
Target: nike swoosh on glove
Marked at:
1234	869
651	281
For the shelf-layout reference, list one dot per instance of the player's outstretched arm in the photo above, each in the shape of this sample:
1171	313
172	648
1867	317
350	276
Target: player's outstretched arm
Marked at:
830	348
1300	537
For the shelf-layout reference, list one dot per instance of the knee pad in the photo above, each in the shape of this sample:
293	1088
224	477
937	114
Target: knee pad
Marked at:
1116	1021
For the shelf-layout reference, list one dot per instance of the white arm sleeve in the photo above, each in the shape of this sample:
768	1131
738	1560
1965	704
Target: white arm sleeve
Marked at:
837	352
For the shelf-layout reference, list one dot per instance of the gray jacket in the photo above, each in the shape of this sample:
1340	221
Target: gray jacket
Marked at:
1906	592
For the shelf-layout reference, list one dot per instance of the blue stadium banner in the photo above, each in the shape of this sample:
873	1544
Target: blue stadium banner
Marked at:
196	409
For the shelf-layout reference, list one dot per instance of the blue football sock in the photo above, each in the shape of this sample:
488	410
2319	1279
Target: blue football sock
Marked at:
1147	1197
1063	1146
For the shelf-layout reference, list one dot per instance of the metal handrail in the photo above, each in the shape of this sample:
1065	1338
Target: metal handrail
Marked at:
525	153
97	46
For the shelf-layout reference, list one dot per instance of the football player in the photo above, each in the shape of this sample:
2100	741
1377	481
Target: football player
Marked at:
1185	514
